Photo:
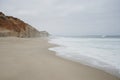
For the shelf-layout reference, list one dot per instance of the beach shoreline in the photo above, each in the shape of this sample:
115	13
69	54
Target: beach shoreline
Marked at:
30	59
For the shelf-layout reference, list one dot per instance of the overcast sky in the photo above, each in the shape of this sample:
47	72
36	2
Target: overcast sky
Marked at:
67	17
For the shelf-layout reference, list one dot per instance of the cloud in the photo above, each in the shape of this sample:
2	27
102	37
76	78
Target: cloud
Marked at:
69	17
27	13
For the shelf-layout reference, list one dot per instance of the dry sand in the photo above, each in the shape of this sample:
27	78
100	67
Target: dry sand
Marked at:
30	59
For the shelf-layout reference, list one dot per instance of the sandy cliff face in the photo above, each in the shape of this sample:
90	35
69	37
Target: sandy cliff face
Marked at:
11	26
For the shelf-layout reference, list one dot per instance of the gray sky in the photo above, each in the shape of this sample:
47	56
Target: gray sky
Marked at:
67	17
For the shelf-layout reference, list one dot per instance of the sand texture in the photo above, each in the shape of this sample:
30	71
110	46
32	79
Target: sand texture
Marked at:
30	59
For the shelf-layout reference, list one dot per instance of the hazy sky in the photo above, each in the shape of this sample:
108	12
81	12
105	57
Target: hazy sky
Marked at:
67	17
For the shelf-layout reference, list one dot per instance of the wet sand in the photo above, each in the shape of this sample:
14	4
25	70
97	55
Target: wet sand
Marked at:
30	59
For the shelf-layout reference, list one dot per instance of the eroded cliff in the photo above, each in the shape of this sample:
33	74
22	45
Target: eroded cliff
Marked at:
11	26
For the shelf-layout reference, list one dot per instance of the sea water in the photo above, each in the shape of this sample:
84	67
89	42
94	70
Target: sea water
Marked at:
101	53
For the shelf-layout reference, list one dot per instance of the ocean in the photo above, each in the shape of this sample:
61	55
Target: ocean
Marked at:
100	53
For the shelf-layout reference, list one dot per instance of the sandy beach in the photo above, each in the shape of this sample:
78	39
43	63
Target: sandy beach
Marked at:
30	59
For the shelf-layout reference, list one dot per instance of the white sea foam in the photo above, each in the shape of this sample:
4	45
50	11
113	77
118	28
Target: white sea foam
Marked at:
102	53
